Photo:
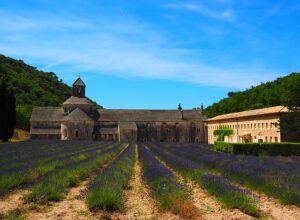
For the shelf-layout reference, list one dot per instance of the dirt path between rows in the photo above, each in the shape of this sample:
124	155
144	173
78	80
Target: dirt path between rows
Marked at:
72	207
12	200
138	202
210	208
273	208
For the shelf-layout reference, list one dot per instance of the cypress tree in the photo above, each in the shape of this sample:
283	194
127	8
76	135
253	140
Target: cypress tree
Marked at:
7	112
290	122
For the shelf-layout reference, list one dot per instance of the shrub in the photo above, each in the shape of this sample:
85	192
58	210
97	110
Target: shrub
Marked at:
272	149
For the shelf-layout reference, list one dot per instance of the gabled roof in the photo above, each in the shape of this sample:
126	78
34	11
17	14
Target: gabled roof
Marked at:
127	125
45	131
45	114
77	115
261	111
78	82
73	100
109	130
147	115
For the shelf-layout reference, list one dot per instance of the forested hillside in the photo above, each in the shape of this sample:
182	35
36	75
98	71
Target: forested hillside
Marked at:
268	94
32	87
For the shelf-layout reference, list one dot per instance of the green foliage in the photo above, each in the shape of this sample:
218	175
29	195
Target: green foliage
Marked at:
32	87
231	199
15	214
272	149
223	131
7	110
108	193
53	187
106	199
267	94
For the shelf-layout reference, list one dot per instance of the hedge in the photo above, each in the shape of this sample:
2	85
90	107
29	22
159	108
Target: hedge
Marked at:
272	149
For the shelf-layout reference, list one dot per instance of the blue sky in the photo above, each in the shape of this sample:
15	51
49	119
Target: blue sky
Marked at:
155	53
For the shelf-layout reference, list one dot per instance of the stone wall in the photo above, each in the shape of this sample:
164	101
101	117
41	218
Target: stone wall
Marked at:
77	130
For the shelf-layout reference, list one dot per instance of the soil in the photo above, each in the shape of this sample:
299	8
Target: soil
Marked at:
272	207
12	200
212	209
72	207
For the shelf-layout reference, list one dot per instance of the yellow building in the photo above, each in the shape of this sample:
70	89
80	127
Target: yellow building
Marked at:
258	125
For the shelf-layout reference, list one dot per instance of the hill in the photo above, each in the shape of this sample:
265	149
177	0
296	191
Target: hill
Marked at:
32	87
277	92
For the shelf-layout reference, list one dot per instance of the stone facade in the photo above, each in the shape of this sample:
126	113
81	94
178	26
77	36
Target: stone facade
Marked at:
78	118
259	125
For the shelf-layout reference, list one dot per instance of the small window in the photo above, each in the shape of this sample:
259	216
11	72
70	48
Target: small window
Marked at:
266	125
76	133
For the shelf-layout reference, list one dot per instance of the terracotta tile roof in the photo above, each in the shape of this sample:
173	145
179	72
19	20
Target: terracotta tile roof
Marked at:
261	111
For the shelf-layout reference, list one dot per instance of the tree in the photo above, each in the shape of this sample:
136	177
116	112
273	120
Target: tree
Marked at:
289	123
7	112
223	131
179	106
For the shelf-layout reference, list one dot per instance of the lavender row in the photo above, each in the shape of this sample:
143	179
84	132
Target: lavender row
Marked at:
25	164
229	194
53	187
169	193
275	176
36	174
106	191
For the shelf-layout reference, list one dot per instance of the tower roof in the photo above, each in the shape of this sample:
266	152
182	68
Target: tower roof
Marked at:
78	82
73	100
77	115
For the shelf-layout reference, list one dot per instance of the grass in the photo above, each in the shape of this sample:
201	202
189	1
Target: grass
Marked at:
15	214
53	187
107	189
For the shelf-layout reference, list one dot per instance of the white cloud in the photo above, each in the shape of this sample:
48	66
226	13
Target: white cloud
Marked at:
222	14
125	49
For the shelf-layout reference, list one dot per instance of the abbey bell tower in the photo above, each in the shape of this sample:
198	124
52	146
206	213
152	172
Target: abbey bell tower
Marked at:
79	88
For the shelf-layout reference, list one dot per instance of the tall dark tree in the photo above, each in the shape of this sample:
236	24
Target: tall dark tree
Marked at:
290	122
7	111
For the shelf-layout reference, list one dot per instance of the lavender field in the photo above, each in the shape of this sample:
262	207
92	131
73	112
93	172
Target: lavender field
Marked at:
94	180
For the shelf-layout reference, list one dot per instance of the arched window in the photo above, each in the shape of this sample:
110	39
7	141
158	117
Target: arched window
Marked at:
76	133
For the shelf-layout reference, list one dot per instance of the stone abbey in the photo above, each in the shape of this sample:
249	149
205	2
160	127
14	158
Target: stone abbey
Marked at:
79	118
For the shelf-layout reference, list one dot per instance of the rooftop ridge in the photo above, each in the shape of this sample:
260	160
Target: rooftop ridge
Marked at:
252	112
